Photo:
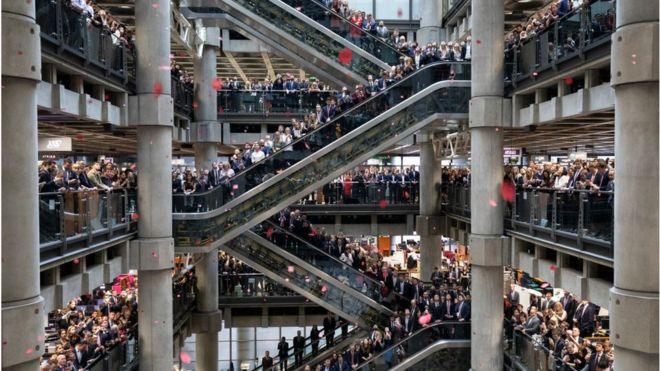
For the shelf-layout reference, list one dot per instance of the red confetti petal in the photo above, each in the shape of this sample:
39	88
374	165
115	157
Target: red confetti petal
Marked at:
507	191
553	267
290	269
399	12
155	5
154	254
345	56
478	41
135	216
382	204
568	81
195	104
79	137
216	84
158	88
20	52
324	288
185	357
492	203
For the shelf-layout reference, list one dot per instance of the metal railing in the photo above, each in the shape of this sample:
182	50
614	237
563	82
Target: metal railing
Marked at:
528	353
571	36
271	101
182	97
73	34
121	357
361	193
250	285
80	217
585	216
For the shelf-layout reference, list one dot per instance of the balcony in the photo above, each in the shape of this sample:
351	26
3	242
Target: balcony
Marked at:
580	220
580	36
71	222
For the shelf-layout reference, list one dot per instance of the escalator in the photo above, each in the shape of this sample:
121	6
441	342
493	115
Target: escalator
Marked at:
310	282
345	273
439	346
326	53
323	349
437	94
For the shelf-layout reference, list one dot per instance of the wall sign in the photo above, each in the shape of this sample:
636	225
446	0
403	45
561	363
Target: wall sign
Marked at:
55	144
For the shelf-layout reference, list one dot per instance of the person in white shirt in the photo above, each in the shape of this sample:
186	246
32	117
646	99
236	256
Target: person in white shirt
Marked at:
468	48
226	171
257	154
286	139
561	179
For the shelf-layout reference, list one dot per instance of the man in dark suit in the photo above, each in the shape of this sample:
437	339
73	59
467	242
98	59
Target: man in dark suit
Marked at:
436	309
408	323
584	318
448	308
533	324
82	355
291	91
547	302
513	296
298	347
597	359
328	111
314	338
329	325
283	353
462	315
267	362
569	304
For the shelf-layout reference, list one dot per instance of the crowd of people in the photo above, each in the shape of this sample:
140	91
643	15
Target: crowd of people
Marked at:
81	176
599	24
567	327
90	326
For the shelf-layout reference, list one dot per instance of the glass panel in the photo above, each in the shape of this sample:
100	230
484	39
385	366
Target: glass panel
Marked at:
543	216
202	232
393	354
524	205
271	101
49	217
46	17
364	35
393	9
249	250
302	248
569	35
599	215
322	136
568	207
601	17
383	193
309	35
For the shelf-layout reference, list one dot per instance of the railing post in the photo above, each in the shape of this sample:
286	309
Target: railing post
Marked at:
84	32
532	212
553	227
580	226
555	29
514	210
127	214
88	218
59	27
108	213
60	201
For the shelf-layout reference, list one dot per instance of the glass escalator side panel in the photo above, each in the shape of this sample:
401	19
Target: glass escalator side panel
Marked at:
317	139
301	278
302	248
395	353
311	35
198	232
342	26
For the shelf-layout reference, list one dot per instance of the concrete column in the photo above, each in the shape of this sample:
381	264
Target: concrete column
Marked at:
206	131
429	24
634	297
207	320
22	306
428	221
153	252
489	113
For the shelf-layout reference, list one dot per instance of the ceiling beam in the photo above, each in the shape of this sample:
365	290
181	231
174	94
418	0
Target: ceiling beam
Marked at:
269	66
237	67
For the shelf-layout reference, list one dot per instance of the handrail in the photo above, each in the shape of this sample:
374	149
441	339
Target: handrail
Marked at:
521	339
341	115
309	246
369	363
308	342
430	350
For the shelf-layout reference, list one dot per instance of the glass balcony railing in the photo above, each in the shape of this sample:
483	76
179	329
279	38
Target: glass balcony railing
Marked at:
575	34
342	26
363	193
251	285
310	35
418	341
257	255
525	352
207	228
75	34
78	217
182	97
272	101
329	264
586	217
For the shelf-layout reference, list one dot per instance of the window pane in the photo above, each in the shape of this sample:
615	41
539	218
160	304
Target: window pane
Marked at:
290	333
366	6
416	9
223	350
263	346
392	9
268	333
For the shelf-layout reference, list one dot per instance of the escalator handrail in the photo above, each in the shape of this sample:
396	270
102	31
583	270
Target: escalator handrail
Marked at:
321	274
312	247
308	341
403	341
331	34
430	350
332	122
349	136
362	31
